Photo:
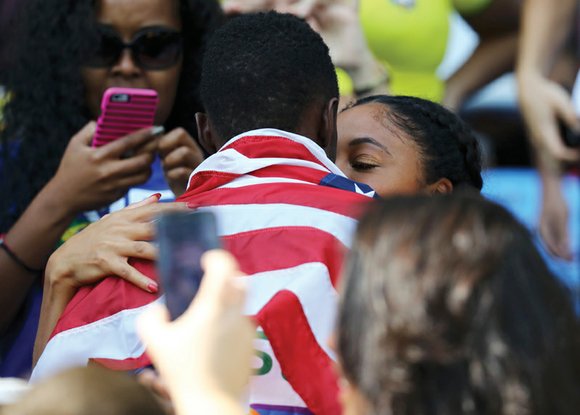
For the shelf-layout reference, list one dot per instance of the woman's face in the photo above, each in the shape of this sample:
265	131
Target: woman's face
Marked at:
126	18
371	152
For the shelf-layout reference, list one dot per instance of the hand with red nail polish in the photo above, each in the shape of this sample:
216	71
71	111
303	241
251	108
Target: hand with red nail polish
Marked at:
101	250
104	247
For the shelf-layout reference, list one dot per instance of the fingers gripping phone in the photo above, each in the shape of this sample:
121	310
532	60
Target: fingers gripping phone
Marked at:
124	111
182	239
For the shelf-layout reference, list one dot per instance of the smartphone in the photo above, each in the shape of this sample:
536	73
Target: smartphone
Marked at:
124	111
182	239
571	139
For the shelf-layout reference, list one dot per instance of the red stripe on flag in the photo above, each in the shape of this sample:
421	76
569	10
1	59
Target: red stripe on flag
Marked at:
204	181
109	297
303	362
260	251
306	174
326	198
272	147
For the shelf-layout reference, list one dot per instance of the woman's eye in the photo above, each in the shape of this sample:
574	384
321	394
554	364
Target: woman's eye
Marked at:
362	166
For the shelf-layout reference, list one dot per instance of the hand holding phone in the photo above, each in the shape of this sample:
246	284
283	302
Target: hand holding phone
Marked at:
183	238
124	111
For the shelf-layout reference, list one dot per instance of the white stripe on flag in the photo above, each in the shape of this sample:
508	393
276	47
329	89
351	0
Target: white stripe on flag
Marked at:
248	180
234	162
233	219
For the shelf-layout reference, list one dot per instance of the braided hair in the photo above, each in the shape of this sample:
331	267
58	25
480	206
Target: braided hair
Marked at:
49	42
447	145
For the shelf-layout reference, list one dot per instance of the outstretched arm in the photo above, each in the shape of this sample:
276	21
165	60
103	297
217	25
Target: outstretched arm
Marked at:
545	106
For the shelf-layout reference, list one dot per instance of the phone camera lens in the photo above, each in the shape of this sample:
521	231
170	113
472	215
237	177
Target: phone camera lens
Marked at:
120	98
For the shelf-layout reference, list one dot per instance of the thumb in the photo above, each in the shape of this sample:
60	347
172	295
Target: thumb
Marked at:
85	136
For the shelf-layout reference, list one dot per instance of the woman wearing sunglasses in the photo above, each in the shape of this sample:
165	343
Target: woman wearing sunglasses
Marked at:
66	53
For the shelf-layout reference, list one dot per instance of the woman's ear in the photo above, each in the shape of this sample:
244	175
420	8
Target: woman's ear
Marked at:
441	186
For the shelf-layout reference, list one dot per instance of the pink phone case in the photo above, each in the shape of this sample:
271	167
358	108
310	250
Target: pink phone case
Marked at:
123	111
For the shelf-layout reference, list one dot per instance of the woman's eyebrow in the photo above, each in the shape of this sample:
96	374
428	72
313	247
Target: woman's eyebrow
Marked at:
369	140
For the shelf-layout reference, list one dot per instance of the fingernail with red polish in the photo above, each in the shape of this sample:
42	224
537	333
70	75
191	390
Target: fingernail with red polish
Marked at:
156	195
153	288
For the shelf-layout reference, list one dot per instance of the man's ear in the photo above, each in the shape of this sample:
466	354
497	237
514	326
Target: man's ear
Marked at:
441	186
205	133
328	131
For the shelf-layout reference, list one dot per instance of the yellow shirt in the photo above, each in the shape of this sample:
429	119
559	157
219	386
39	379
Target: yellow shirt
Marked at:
409	37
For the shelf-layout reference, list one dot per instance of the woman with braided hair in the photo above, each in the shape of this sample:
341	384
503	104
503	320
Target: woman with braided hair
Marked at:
403	145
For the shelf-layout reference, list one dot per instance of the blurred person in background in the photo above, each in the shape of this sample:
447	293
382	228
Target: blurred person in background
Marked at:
468	321
398	45
547	107
65	55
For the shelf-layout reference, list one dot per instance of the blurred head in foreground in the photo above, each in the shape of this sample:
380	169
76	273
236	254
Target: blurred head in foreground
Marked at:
87	391
447	308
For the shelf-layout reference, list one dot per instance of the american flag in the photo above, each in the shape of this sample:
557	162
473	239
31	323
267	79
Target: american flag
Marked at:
288	214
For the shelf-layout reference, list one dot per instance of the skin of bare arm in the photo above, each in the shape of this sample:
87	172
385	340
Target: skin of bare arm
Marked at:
497	26
491	59
554	215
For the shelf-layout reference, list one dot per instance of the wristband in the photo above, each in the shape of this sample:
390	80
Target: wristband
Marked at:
16	259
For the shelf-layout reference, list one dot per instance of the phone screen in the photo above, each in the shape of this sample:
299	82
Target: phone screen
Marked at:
182	239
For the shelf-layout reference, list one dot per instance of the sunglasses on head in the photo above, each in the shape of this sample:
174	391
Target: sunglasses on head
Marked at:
151	48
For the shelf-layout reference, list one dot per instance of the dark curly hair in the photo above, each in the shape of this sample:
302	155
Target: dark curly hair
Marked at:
277	66
447	145
448	308
47	47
